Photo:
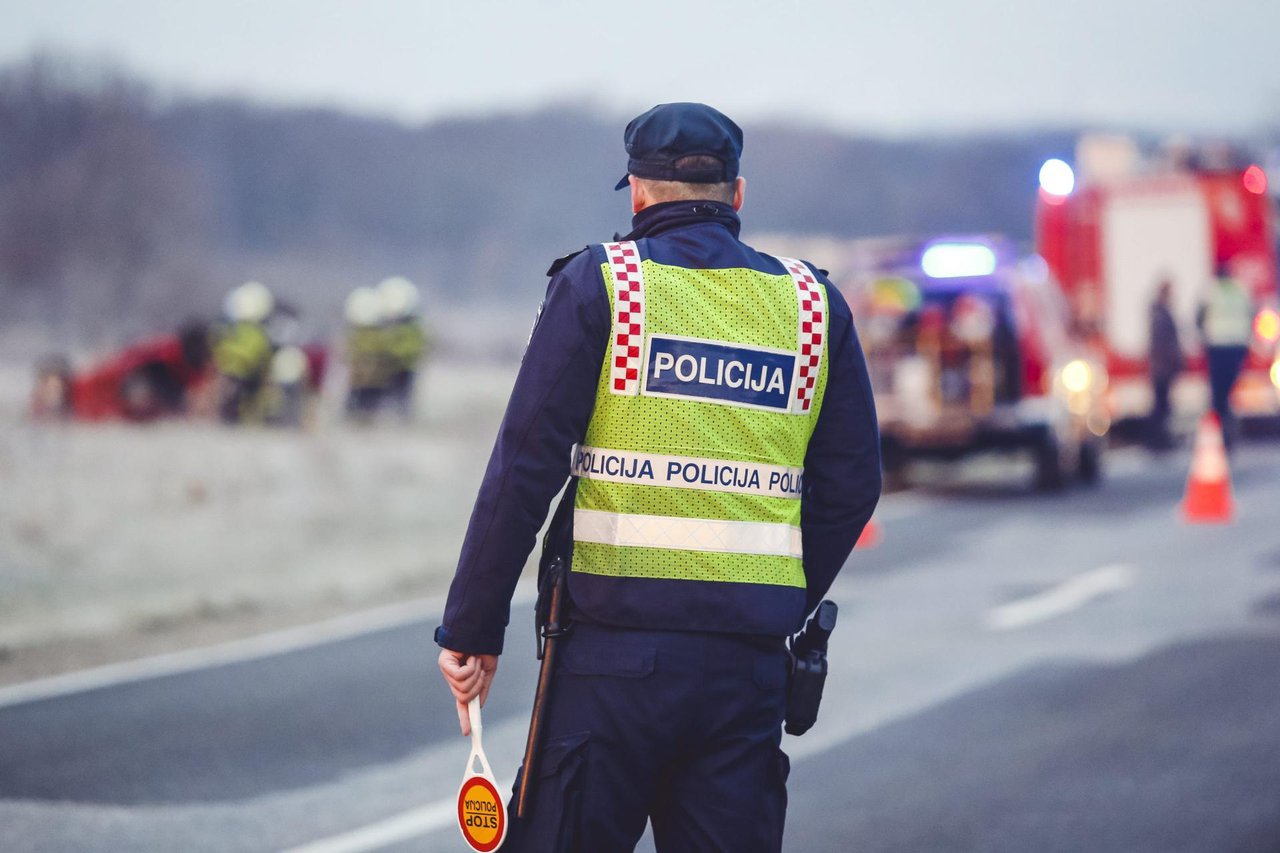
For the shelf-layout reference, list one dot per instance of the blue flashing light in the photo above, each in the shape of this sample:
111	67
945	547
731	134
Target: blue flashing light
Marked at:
958	260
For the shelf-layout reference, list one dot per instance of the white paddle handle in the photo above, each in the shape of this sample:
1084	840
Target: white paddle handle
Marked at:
473	711
477	749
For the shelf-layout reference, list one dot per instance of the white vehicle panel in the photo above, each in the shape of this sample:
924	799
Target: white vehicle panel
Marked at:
1146	235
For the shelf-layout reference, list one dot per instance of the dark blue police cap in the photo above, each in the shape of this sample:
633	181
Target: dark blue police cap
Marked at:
657	139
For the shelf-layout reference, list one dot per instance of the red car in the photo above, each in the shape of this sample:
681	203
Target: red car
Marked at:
151	379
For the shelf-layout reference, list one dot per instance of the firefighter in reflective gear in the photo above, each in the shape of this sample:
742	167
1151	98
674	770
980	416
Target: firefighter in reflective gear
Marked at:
712	407
367	364
405	340
242	350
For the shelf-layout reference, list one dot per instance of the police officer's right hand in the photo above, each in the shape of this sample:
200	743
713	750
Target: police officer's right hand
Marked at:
468	676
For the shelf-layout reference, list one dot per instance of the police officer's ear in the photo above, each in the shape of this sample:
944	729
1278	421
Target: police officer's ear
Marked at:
739	192
639	195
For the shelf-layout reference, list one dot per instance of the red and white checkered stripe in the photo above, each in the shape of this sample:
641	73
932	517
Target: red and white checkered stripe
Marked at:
811	334
628	317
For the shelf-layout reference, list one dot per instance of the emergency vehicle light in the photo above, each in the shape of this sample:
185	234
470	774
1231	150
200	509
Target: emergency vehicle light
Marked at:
1255	180
1057	178
958	260
1266	325
1077	376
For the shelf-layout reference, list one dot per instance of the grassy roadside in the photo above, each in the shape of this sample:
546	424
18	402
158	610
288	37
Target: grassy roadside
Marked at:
118	541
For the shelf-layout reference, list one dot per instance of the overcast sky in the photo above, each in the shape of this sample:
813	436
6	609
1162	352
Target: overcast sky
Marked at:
896	66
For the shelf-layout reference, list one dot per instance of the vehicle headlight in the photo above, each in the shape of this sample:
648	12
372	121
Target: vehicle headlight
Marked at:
1077	376
1266	325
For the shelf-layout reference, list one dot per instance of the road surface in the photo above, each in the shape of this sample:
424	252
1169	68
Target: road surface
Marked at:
1011	672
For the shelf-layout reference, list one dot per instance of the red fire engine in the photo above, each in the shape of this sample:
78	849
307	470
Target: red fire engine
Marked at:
1129	225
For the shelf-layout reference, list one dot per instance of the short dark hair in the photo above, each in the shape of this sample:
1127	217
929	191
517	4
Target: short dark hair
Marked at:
681	191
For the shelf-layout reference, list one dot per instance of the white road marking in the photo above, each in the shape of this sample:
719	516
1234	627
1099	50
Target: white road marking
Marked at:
236	651
402	827
414	823
437	816
1063	598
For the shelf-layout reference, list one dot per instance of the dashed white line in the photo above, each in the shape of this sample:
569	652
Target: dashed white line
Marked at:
405	826
1063	598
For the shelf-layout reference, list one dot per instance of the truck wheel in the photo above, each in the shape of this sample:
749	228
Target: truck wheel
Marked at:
1050	476
1089	468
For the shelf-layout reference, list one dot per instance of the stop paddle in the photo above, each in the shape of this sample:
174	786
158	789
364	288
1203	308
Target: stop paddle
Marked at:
482	817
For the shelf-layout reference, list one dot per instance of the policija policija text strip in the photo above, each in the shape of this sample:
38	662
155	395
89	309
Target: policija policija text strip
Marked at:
688	472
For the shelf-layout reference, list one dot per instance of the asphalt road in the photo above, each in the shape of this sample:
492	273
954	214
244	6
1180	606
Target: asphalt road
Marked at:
1012	672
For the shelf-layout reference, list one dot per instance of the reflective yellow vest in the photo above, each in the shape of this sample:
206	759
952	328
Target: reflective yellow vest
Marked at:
1228	319
692	465
367	356
242	351
406	343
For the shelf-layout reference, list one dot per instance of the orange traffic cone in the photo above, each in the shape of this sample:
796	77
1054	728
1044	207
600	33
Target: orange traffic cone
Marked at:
871	535
1208	496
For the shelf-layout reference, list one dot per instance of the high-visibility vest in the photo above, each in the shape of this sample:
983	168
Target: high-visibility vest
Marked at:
242	351
1228	319
367	356
406	342
692	464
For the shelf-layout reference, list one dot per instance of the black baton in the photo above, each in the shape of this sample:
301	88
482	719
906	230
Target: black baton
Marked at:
553	627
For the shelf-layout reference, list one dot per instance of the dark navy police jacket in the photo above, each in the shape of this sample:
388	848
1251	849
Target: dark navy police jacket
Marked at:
550	407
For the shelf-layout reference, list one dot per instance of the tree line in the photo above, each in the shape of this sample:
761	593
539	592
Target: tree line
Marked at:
121	211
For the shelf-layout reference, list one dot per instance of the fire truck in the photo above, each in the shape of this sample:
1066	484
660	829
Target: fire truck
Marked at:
1132	221
970	349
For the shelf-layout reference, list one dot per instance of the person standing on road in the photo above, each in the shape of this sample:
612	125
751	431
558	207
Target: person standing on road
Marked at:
712	407
1165	365
1226	323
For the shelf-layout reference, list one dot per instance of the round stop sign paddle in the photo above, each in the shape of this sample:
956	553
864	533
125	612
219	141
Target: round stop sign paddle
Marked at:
482	817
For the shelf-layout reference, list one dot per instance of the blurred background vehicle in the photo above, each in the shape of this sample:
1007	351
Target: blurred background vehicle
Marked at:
1121	221
970	349
161	376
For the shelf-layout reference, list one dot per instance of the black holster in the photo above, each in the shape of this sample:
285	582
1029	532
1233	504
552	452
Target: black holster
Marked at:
809	669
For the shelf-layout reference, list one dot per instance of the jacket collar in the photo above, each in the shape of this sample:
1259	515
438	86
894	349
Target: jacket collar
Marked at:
670	215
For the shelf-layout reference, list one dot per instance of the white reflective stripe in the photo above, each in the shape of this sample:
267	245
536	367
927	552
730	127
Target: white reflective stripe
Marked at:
627	348
687	472
810	333
686	534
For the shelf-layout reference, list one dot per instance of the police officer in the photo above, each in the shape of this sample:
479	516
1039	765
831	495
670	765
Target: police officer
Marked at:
712	406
